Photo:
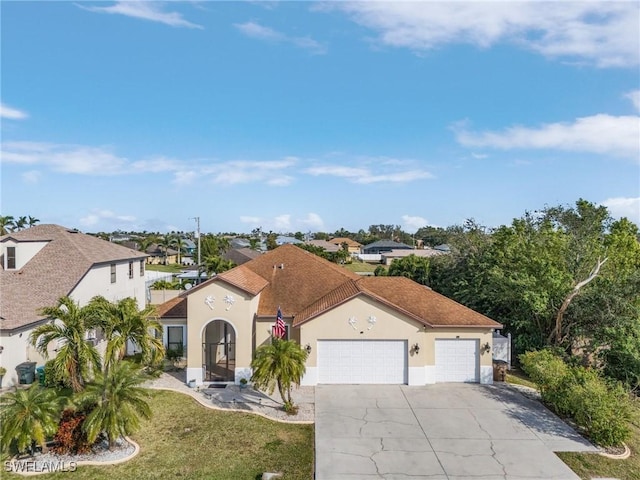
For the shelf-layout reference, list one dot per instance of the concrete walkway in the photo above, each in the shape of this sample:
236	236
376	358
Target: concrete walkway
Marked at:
443	431
239	399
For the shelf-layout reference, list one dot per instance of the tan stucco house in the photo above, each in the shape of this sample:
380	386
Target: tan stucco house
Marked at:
357	330
43	263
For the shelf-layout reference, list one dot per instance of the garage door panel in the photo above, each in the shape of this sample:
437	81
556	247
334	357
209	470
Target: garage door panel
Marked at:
457	360
362	361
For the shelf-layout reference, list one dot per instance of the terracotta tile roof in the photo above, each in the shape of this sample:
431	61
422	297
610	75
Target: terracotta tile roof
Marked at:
243	278
174	308
296	279
348	241
422	303
53	272
305	286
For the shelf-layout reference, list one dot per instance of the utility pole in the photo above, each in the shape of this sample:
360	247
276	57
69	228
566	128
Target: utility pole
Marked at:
197	219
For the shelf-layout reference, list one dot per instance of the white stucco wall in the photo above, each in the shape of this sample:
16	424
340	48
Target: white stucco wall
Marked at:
97	281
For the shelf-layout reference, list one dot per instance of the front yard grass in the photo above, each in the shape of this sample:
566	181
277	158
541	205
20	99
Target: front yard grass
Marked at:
589	466
173	268
183	439
357	266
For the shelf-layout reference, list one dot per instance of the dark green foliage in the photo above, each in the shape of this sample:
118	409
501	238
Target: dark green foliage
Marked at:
602	408
413	267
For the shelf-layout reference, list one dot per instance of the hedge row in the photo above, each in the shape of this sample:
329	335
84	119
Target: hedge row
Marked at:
602	408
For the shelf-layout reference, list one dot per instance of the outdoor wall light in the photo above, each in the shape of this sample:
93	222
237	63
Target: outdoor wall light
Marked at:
416	349
308	348
486	348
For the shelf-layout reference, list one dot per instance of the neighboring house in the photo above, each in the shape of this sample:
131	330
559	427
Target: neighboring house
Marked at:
240	255
156	255
356	329
352	245
327	246
46	262
383	246
284	240
389	257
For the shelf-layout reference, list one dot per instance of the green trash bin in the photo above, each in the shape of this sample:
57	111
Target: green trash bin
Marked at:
26	373
41	376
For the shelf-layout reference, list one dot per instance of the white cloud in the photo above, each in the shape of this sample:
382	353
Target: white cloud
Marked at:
282	222
32	176
11	113
152	11
479	156
260	32
184	177
285	222
413	223
76	159
624	207
106	216
313	221
243	171
604	34
366	176
603	134
634	96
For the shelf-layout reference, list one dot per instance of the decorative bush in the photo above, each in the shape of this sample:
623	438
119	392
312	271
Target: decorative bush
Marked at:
601	408
70	438
51	378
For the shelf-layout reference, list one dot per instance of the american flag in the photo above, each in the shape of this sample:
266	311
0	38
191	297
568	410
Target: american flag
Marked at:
279	329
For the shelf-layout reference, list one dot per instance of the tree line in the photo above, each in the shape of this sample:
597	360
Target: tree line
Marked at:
565	276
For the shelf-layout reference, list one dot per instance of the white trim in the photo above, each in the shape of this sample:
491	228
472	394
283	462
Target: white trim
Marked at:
430	374
310	376
417	375
486	374
194	373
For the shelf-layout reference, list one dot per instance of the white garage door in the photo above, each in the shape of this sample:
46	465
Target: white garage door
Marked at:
362	361
457	360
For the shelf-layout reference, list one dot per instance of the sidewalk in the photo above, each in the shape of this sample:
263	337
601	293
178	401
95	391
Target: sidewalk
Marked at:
245	399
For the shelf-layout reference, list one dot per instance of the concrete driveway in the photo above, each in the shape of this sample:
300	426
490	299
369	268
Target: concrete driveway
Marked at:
442	431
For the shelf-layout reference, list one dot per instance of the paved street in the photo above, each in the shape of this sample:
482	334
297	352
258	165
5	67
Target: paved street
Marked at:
442	431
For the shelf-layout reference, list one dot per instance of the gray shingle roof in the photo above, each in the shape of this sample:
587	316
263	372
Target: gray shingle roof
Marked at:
53	272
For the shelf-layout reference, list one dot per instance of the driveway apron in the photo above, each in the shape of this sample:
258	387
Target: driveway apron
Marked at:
442	431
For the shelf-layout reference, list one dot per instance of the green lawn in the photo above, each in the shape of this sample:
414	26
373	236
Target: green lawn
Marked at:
589	466
357	266
175	268
186	440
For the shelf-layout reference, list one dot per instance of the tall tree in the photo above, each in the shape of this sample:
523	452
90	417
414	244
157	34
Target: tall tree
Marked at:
413	267
280	365
179	244
28	416
32	221
21	222
76	359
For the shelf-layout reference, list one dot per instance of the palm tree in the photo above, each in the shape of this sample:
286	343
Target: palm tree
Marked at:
165	243
21	223
118	403
280	364
214	264
179	244
7	224
31	221
121	321
76	358
29	416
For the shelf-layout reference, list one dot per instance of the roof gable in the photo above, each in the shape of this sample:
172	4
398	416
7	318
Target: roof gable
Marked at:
53	272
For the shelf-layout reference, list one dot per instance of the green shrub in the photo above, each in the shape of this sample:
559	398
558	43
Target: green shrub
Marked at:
602	409
52	379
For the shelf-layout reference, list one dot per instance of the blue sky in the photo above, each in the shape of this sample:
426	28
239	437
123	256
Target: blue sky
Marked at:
304	116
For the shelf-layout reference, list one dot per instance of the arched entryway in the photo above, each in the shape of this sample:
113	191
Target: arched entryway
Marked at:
219	352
